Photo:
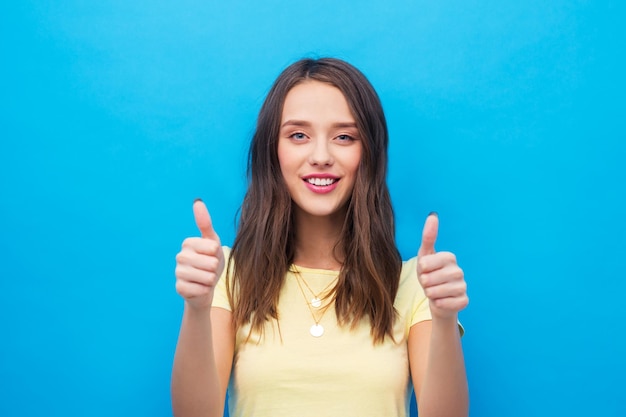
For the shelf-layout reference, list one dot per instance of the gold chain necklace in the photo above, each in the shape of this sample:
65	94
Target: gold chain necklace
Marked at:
316	301
317	329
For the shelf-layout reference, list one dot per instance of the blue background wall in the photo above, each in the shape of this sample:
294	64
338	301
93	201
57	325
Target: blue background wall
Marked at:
507	117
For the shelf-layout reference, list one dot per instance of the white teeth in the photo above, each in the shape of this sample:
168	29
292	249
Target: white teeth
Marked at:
321	181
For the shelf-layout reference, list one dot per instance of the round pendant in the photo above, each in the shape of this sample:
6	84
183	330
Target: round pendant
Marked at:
316	330
316	302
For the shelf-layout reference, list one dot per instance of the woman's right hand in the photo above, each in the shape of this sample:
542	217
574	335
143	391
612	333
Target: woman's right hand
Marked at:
200	262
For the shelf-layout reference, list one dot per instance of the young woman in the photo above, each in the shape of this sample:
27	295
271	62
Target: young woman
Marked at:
313	312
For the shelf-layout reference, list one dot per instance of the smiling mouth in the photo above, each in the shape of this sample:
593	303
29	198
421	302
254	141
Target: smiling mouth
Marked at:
322	182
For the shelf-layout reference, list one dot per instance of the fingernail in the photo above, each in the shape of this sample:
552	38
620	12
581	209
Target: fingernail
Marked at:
197	199
433	213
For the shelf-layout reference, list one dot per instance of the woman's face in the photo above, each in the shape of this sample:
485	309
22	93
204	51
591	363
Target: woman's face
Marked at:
319	148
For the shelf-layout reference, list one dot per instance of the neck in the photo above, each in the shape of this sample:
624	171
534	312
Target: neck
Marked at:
316	238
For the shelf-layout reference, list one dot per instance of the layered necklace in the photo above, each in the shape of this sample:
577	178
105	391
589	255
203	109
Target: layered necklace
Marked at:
314	303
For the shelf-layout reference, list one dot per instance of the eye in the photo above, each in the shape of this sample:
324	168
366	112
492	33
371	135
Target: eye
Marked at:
298	136
345	138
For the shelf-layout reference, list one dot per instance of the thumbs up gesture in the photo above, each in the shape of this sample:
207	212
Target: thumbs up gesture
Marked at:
200	262
440	276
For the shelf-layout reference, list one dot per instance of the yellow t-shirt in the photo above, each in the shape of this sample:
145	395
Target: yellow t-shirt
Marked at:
289	372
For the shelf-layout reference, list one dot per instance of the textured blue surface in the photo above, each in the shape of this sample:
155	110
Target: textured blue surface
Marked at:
506	117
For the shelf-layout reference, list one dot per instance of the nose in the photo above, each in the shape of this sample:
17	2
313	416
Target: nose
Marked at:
320	153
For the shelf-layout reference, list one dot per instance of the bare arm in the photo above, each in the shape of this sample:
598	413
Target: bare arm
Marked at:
438	369
204	353
435	351
202	363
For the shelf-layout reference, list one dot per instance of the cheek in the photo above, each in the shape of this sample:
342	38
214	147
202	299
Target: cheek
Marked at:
288	167
283	160
280	154
355	161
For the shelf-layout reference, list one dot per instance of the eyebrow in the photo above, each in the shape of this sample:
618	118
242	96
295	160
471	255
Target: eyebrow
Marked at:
306	124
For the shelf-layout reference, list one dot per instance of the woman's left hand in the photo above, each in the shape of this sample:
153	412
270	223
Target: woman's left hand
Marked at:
440	276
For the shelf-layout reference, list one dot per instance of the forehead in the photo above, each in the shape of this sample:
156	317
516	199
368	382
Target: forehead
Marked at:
317	100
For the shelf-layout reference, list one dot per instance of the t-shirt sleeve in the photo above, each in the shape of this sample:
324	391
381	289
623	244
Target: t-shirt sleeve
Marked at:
419	306
220	297
419	309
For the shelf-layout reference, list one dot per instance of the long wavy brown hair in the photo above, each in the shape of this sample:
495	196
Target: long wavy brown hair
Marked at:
264	247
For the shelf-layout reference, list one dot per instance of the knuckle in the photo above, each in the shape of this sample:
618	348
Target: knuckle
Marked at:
182	289
424	280
188	242
212	279
182	257
183	273
428	292
179	271
449	257
458	273
213	247
213	263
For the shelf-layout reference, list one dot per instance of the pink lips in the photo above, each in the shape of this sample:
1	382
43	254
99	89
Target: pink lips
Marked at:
321	189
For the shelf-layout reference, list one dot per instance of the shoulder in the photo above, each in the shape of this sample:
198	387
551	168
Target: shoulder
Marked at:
409	287
411	302
408	276
220	298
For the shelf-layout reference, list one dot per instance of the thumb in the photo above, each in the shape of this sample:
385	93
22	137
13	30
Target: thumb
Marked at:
429	235
203	220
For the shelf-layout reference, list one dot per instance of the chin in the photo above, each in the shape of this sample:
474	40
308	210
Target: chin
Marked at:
326	211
